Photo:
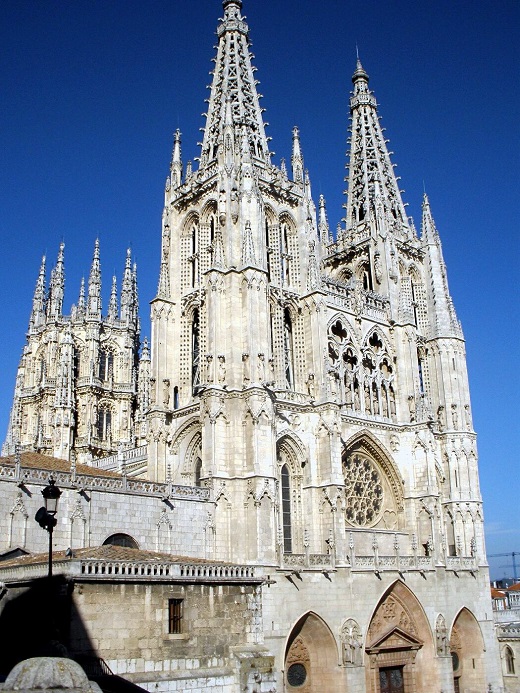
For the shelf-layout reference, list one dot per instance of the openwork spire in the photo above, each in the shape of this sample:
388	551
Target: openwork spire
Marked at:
446	323
57	286
372	185
38	305
234	96
94	286
127	290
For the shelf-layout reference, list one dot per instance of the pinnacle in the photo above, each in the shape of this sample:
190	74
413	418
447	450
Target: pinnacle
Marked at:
360	72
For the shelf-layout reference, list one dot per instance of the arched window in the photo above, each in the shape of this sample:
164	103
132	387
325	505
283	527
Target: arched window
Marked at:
286	509
176	397
198	471
194	255
121	540
195	351
104	424
267	251
106	365
288	349
510	660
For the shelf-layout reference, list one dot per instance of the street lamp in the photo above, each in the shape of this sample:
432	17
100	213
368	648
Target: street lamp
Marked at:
46	516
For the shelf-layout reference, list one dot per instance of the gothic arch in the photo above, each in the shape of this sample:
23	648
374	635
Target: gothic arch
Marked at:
192	462
191	426
365	440
467	651
311	657
386	346
286	217
399	639
210	207
191	218
269	214
290	443
290	460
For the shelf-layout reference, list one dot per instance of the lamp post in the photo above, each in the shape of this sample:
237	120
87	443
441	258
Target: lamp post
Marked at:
46	516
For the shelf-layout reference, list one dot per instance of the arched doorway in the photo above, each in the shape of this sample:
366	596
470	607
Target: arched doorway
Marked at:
467	653
399	651
311	658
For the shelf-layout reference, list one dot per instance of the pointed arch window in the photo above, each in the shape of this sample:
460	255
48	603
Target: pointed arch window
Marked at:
106	365
510	661
267	251
198	471
195	351
288	349
104	424
286	509
194	255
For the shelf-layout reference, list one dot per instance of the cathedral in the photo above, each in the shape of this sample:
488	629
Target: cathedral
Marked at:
305	386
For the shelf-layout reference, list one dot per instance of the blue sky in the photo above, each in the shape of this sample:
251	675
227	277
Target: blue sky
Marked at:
92	92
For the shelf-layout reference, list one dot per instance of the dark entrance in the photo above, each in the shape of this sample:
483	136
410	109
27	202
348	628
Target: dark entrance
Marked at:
391	680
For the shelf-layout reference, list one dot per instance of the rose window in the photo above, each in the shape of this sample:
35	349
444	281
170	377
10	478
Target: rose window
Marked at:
364	491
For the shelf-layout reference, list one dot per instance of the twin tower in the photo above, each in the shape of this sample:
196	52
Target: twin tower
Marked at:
287	361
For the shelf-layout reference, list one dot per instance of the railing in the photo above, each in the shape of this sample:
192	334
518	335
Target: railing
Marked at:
303	561
100	483
456	563
94	667
105	569
126	456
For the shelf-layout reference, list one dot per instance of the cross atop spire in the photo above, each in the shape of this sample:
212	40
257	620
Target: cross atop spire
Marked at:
234	96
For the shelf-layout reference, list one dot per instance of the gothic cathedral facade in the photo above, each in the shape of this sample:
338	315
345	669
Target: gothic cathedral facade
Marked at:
314	381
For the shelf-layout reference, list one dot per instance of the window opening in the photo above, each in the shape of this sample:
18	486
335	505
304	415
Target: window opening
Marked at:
510	661
286	510
175	615
267	251
176	397
104	424
288	349
195	351
121	540
198	471
106	365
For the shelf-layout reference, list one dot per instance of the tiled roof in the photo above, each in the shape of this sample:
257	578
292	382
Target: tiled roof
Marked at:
105	553
497	594
514	588
35	460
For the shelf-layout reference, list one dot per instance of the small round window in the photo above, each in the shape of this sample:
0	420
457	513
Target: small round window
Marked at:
296	675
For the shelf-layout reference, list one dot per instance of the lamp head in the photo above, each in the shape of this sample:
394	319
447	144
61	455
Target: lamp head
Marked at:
51	495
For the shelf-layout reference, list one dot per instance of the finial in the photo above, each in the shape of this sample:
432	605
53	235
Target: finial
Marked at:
360	72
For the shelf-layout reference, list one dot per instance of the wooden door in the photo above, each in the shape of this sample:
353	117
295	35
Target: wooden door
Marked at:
391	680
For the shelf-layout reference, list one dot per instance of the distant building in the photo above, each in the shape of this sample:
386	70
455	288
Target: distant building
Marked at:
303	418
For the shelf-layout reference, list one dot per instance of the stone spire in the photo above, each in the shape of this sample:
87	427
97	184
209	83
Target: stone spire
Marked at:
135	299
38	304
297	158
112	304
234	95
57	287
94	286
372	185
127	290
442	310
176	163
81	299
323	224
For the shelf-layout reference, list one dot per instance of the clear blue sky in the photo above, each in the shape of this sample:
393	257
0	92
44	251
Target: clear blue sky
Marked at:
91	93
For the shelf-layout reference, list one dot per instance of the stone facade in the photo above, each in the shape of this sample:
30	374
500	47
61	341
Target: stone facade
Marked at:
312	387
77	395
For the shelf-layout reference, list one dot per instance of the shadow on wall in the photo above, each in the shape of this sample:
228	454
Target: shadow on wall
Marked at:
35	621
